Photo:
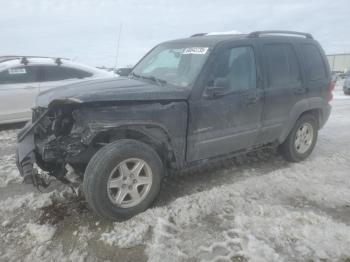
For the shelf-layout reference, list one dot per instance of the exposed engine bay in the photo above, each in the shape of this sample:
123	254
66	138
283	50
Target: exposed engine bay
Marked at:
60	137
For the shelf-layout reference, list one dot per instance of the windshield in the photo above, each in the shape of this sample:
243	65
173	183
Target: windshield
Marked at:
175	64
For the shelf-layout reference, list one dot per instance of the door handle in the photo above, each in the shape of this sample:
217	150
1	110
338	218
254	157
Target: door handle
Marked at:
299	90
252	99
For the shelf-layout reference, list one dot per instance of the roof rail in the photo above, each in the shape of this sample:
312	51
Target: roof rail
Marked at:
12	57
58	61
199	34
280	32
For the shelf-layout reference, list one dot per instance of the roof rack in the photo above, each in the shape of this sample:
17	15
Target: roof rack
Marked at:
199	34
280	32
13	57
58	61
24	61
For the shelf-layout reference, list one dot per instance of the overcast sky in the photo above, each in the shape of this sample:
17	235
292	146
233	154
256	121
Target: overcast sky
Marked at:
87	30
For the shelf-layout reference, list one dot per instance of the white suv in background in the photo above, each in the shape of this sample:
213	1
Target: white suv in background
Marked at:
23	78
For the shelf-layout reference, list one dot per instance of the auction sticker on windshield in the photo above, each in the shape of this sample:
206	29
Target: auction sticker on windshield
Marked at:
195	50
17	71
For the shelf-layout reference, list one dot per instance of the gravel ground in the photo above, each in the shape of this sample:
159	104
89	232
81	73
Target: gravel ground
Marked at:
253	208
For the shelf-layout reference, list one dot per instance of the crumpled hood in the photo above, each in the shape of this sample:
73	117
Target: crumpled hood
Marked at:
116	89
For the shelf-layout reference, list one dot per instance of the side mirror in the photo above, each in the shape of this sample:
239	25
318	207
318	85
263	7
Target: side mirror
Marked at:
124	71
220	87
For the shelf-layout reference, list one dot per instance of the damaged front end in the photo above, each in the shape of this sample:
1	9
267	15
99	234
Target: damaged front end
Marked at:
51	141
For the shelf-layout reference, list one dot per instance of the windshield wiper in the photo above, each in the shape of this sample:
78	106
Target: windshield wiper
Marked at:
159	81
155	79
135	75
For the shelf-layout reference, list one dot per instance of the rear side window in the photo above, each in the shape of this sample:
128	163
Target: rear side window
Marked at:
58	73
314	62
282	65
19	75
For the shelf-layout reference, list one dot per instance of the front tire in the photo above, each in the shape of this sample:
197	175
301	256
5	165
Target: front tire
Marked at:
123	179
301	140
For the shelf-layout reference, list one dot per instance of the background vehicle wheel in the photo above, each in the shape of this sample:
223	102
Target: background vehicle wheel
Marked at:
122	179
301	140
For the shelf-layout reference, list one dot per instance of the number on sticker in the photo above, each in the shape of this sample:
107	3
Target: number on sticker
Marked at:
195	50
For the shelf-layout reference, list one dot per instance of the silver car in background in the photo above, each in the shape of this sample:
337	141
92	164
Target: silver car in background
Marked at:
346	87
23	78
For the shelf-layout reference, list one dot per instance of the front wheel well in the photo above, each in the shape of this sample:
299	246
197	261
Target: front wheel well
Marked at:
153	136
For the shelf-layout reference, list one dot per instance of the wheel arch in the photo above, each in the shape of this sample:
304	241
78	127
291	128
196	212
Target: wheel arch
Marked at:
153	135
307	106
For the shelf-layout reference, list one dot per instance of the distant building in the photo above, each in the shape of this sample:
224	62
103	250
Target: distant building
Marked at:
339	62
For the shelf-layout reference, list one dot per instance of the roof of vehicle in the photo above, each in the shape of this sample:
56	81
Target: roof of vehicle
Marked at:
32	60
7	57
211	39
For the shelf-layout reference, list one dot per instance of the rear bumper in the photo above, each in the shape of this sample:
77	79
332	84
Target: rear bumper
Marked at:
326	111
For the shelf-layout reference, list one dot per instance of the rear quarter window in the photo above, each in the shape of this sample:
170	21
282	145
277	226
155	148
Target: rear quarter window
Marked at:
315	66
282	65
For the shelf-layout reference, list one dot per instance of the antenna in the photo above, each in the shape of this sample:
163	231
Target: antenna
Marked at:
118	44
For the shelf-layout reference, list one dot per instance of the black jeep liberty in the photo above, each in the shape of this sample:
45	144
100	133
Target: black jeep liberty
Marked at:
185	102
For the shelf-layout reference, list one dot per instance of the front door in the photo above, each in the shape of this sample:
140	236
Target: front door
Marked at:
231	122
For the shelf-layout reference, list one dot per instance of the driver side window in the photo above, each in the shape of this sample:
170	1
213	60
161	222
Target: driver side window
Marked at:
237	67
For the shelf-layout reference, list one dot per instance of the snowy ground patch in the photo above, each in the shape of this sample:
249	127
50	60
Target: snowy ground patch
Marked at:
8	170
271	218
41	233
30	201
130	236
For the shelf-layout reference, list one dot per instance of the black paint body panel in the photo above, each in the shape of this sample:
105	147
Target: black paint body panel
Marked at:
184	124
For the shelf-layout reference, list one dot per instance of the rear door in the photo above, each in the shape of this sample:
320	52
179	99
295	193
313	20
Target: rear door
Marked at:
220	125
284	86
54	75
18	89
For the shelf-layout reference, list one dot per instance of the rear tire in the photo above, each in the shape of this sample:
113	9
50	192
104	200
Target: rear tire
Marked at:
123	179
301	140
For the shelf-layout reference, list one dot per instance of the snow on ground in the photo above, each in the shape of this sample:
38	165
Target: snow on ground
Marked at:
41	233
8	170
257	208
280	216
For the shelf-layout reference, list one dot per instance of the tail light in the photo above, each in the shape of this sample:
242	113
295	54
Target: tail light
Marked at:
330	89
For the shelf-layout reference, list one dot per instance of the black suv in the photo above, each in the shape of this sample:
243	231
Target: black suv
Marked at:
185	102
